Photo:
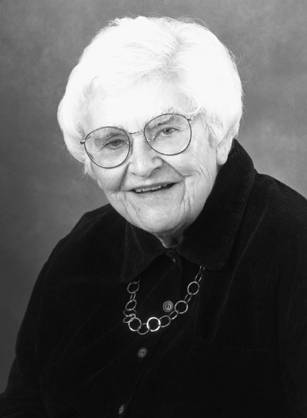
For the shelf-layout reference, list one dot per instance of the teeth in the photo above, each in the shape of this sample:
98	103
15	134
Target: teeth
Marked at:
151	189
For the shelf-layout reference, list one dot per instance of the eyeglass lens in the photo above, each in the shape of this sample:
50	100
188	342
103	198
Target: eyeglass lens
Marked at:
167	134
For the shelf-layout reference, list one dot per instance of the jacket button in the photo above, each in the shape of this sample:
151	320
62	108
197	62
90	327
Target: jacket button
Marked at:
142	352
172	255
121	409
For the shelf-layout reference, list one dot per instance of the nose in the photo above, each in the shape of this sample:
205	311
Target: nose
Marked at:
143	160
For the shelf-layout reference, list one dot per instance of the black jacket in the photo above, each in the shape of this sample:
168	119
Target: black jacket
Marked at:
239	351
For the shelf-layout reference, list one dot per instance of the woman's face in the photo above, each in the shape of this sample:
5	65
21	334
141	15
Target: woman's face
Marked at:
165	212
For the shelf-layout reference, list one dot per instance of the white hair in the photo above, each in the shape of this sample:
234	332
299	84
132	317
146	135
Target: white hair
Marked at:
131	49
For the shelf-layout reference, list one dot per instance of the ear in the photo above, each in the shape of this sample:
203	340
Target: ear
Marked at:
223	149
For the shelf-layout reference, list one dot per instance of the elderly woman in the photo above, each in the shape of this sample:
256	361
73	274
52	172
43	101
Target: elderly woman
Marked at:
185	296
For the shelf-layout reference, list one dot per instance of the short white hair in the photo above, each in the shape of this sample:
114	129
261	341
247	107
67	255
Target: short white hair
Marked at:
128	50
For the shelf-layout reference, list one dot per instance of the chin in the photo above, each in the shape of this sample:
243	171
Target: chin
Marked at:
159	226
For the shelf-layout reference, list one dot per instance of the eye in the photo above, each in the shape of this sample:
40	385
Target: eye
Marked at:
167	131
115	143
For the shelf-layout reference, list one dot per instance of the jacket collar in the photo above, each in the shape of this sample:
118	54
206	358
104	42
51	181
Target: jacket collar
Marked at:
210	238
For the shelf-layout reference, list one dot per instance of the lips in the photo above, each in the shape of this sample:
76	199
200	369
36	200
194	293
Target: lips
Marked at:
152	188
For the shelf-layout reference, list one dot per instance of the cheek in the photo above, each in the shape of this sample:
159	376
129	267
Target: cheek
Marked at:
200	176
204	158
108	181
198	165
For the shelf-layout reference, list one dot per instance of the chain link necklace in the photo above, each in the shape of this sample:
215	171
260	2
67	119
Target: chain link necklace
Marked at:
154	323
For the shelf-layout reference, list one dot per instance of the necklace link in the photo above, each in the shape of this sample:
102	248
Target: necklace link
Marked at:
154	323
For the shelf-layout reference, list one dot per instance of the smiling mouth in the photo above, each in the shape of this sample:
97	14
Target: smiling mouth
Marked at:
151	189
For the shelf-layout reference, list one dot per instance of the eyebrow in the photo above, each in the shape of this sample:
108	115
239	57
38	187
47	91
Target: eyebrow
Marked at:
166	120
170	110
165	111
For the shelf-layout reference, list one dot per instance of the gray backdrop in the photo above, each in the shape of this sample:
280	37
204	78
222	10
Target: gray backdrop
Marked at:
43	191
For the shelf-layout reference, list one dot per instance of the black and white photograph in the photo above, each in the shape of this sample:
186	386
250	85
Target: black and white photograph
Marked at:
153	260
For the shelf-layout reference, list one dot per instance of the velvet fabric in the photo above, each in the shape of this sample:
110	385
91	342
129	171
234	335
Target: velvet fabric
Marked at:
239	351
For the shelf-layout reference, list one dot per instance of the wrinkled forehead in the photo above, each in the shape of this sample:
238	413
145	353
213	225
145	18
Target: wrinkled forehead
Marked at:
132	108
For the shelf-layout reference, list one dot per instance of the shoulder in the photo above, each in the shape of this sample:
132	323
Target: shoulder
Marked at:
97	226
276	218
91	250
73	280
80	272
285	207
102	217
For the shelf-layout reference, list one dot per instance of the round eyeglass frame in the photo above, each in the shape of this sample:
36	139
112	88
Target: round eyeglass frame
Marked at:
128	134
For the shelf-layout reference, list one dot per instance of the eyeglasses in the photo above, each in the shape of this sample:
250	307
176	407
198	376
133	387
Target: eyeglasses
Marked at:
167	134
